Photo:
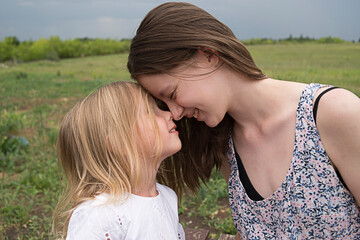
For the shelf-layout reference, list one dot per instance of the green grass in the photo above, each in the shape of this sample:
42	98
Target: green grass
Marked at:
336	64
35	96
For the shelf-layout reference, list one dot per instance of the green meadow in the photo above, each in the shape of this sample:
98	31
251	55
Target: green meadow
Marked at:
34	97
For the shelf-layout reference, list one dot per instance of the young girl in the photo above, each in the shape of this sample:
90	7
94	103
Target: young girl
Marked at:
289	151
110	147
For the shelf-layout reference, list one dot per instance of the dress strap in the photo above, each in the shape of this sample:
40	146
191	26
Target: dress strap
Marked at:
316	103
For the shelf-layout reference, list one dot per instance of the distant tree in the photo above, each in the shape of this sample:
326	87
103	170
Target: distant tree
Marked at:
330	40
12	40
85	39
7	48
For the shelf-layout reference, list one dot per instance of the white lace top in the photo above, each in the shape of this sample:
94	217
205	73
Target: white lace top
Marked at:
153	218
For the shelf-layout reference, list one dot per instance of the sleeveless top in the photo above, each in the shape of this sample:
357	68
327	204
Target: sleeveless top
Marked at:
311	203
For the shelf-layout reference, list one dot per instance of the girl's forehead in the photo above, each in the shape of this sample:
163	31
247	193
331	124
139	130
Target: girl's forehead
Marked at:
158	85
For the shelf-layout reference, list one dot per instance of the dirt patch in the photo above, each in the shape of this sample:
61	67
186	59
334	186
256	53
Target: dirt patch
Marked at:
198	222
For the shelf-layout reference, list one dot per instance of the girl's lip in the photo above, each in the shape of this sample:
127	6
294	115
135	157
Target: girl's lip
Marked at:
194	114
173	129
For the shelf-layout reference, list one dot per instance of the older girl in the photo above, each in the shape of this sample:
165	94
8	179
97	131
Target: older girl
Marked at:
292	162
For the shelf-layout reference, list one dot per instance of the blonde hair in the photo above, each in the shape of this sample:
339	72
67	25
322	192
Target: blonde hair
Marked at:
101	148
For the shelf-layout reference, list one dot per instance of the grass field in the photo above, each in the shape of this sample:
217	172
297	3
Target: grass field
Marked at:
35	96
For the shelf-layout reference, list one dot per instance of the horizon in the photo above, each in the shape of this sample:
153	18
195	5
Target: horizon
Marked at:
119	19
290	37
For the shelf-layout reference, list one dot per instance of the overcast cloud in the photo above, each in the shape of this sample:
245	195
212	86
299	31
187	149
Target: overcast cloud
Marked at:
117	19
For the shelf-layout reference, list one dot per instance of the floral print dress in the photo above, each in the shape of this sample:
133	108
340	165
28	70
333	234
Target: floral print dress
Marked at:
311	203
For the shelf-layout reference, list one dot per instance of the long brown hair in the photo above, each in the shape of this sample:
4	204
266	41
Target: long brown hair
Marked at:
169	36
101	148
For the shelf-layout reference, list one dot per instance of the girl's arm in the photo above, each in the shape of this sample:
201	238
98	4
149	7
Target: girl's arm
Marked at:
338	122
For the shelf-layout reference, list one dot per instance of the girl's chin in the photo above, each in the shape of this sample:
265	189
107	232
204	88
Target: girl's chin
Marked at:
170	153
211	123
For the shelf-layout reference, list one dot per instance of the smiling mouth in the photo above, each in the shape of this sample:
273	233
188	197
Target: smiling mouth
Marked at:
173	129
196	113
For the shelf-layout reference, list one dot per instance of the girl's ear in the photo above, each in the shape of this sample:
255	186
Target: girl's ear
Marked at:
210	55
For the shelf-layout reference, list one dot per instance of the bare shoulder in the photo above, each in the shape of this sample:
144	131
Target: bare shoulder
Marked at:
338	108
338	122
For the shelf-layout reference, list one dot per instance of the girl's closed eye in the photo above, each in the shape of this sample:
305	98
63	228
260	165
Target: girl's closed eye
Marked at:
172	95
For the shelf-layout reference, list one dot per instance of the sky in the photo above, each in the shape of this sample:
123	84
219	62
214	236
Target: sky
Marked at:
118	19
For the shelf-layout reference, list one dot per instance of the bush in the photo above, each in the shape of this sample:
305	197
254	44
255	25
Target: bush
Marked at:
330	40
7	47
11	122
54	49
11	143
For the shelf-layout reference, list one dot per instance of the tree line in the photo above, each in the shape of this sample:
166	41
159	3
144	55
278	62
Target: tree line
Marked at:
291	39
11	49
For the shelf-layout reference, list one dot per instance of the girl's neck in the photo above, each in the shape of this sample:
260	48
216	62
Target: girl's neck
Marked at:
148	190
255	103
249	103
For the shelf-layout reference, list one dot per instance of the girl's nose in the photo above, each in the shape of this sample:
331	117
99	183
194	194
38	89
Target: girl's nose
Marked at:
170	117
176	111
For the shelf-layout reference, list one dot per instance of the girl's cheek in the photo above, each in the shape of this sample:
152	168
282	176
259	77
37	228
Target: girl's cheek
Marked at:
181	101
